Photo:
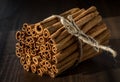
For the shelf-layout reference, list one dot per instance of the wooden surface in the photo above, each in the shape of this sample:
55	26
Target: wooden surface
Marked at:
102	68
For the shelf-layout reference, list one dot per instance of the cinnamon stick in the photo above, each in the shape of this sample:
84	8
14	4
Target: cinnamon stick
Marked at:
22	60
45	54
36	59
51	73
63	44
38	29
18	54
63	54
89	10
28	62
29	40
74	55
66	66
87	18
97	30
18	35
28	30
48	64
48	46
92	23
33	68
71	11
40	72
45	69
28	56
40	40
20	46
27	50
24	28
26	67
48	31
42	47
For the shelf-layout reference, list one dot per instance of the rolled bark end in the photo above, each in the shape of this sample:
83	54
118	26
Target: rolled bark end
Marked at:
54	68
27	51
39	72
18	54
38	28
54	49
26	67
35	60
25	25
49	56
33	53
22	60
46	33
40	54
28	62
22	34
45	68
33	68
37	47
28	30
57	27
42	47
51	73
29	40
33	33
51	41
40	64
54	60
18	35
18	45
41	40
28	57
43	55
48	46
47	64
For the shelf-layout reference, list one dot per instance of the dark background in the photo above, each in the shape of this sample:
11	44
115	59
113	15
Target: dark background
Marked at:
13	13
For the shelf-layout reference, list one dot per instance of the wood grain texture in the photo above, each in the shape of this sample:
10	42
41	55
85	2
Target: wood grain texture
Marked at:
13	14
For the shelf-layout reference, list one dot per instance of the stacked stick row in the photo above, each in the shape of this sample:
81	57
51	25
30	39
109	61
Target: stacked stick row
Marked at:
47	48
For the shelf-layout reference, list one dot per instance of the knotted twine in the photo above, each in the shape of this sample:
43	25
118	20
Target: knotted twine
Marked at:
73	29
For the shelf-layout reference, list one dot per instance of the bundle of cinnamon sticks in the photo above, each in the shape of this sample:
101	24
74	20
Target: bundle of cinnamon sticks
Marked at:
47	48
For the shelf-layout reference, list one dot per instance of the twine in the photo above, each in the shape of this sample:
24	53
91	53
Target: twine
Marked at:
73	29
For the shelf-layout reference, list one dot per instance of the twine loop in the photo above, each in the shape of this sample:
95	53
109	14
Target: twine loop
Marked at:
73	29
